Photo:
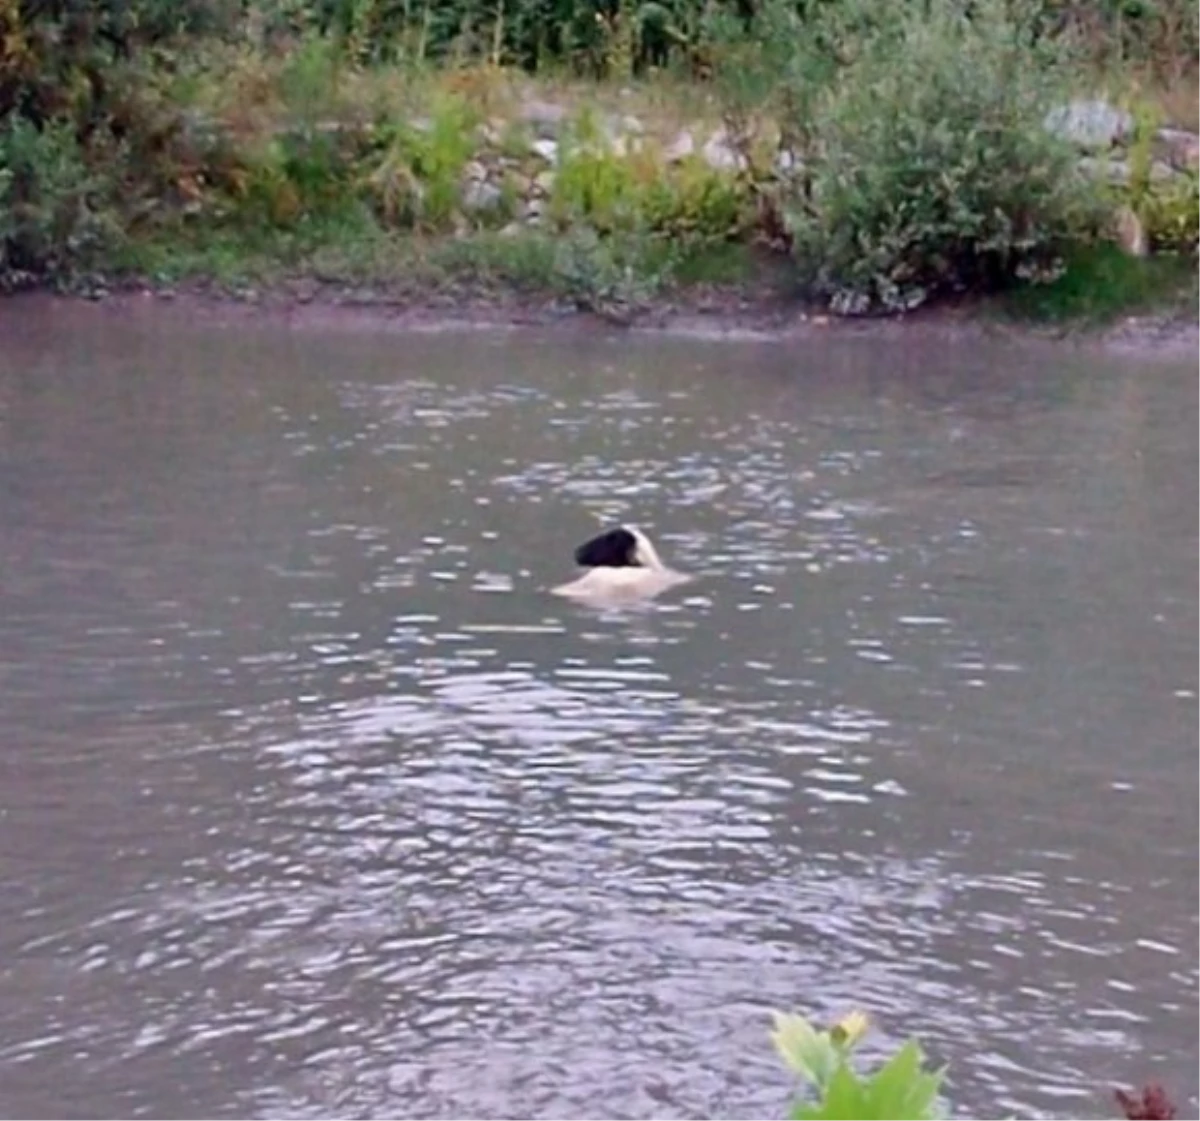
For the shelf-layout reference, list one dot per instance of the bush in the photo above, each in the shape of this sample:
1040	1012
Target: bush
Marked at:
56	53
1171	214
51	214
930	167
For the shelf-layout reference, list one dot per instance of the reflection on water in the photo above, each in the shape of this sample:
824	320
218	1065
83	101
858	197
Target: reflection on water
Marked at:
314	803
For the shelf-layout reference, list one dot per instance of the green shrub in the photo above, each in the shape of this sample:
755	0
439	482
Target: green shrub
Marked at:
612	276
1170	212
931	168
695	205
595	188
416	178
52	221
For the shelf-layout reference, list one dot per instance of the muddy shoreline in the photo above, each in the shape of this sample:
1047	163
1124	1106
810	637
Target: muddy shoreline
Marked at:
715	315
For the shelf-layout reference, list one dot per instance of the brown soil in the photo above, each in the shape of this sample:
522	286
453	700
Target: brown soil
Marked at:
714	313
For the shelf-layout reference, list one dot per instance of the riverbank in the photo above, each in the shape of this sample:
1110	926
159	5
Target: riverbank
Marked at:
718	314
824	165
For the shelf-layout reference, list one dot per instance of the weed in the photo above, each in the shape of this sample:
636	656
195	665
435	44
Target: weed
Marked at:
613	277
416	180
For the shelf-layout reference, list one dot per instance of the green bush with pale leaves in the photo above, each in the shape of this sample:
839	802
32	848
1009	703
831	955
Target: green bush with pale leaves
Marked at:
929	168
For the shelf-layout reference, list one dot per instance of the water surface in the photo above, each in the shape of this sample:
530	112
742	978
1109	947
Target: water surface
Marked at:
313	803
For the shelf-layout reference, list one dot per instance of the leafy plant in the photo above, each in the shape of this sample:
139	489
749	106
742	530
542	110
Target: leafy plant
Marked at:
417	177
613	277
932	169
695	205
900	1089
595	188
52	221
1099	282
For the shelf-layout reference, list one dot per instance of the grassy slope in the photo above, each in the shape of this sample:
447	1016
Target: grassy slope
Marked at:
254	98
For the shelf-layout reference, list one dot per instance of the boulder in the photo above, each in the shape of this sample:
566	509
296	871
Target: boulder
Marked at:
545	149
1119	171
1131	234
720	154
1090	123
680	148
545	117
1179	148
479	196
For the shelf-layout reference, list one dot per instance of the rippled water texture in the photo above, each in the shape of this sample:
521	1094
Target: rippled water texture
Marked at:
314	803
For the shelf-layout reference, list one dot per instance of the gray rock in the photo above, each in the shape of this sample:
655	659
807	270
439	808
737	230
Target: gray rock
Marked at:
787	162
520	183
492	132
622	146
631	125
1119	171
1131	234
1115	171
543	182
720	155
479	196
680	148
474	172
1090	123
534	212
545	116
1180	148
1161	171
546	149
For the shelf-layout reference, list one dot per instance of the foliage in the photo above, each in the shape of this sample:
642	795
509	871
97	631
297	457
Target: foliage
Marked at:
1169	208
933	170
52	221
610	37
1162	35
613	191
696	205
593	185
614	277
275	122
1100	282
1170	212
416	180
56	52
900	1089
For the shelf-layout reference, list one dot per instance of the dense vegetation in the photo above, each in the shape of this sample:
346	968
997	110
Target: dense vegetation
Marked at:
888	151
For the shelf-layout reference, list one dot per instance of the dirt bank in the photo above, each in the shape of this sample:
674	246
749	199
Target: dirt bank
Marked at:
716	315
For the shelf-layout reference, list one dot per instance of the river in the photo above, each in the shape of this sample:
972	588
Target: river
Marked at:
314	803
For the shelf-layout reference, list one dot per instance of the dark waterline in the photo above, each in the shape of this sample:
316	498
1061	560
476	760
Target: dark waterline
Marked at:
313	803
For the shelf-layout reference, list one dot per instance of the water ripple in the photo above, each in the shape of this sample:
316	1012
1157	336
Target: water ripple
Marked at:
317	805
